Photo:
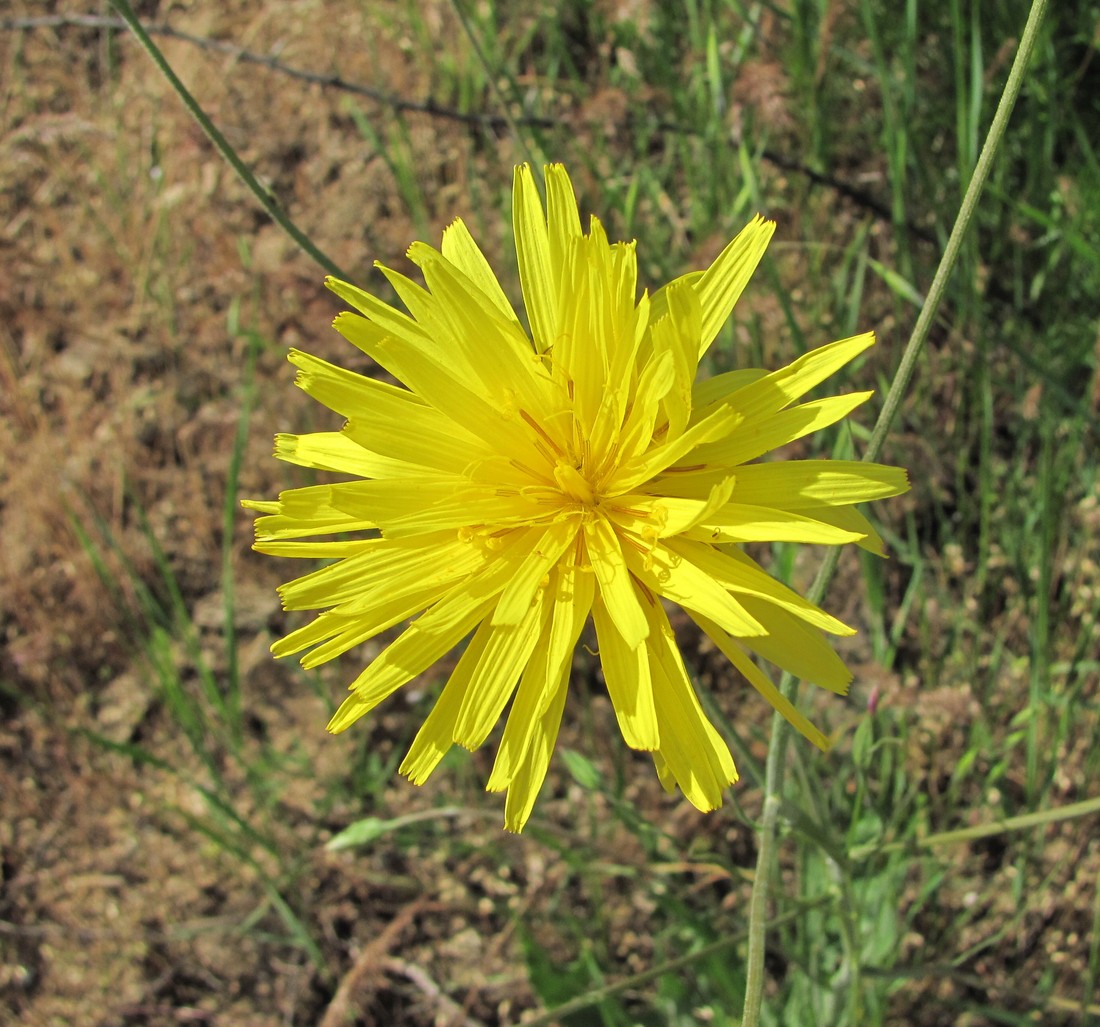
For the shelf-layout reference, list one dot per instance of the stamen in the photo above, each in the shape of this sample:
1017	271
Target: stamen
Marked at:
633	511
541	432
546	453
523	468
650	597
542	495
609	463
688	469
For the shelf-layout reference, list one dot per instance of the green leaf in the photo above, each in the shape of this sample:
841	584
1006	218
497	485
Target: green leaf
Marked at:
370	829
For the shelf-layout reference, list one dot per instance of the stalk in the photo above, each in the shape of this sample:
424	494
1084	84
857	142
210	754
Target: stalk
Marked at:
777	746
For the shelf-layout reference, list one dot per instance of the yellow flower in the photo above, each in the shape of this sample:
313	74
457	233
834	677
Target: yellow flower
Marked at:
520	483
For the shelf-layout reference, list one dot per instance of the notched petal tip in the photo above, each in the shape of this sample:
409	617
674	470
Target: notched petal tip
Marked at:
349	712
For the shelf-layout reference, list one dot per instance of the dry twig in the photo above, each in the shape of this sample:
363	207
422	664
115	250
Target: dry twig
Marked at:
492	122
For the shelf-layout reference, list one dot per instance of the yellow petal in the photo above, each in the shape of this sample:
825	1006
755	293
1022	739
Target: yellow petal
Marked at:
624	359
737	572
533	252
303	512
433	379
664	773
848	518
739	522
795	646
781	388
678	333
644	406
349	630
436	735
651	463
759	680
669	574
414	506
708	391
326	451
805	484
527	580
562	216
616	588
653	517
432	634
695	753
497	673
386	419
460	249
626	673
337	550
345	391
596	323
381	318
759	435
412	653
461	320
385	567
546	671
722	283
527	781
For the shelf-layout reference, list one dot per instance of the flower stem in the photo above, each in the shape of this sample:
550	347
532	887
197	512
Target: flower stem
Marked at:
221	144
776	762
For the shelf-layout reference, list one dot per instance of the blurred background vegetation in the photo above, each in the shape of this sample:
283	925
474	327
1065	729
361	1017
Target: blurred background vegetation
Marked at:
180	840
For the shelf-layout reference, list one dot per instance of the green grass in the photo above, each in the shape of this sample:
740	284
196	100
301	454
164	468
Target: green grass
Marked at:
979	594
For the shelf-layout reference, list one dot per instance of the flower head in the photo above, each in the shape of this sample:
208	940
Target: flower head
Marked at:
522	482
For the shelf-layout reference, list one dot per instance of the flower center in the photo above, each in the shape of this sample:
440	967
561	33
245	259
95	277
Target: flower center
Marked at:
574	484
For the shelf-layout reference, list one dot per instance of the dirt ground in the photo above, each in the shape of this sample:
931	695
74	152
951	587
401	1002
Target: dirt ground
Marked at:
137	276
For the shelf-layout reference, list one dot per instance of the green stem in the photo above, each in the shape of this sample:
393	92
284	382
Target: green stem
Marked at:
967	835
267	200
670	966
773	781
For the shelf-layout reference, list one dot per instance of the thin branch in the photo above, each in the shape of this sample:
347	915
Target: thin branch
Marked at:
496	123
368	966
330	80
221	144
